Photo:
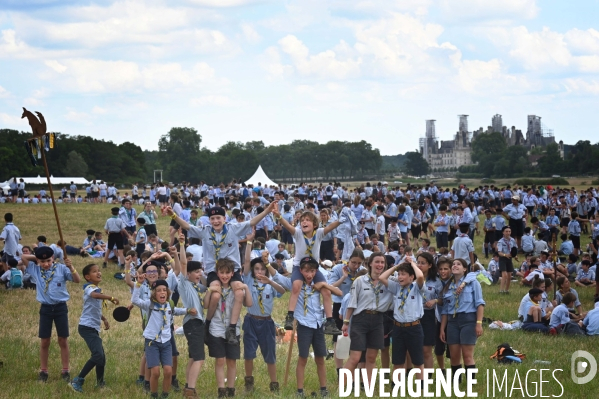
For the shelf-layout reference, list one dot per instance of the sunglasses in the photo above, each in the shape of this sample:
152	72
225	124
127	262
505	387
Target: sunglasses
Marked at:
152	272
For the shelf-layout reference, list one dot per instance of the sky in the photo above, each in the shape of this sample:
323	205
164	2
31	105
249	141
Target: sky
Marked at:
277	71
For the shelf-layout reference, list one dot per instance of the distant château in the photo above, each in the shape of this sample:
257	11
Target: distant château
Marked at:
451	154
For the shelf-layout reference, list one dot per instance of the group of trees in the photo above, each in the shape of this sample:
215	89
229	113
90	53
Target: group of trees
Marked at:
495	159
73	156
181	157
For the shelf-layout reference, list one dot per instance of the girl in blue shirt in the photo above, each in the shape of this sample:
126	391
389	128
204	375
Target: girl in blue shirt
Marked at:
462	314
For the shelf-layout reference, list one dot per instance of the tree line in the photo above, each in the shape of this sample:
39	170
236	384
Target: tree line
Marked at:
181	157
495	159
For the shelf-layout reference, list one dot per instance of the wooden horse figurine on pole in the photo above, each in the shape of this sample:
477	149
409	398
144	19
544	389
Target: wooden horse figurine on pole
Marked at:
36	148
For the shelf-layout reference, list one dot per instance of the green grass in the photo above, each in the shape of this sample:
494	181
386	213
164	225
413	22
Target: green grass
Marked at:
123	343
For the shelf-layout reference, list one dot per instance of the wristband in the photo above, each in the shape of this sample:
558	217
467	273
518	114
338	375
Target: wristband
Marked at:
479	322
111	299
174	216
137	284
345	321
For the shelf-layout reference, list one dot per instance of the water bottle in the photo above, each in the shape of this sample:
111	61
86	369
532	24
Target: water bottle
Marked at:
544	362
342	349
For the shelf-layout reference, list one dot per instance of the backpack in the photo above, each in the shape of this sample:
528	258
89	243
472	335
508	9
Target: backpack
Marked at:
375	191
505	350
16	278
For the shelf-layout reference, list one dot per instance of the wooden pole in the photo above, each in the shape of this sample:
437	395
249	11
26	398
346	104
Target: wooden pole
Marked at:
554	256
43	151
289	352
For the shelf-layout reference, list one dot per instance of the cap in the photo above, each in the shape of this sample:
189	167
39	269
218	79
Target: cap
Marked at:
327	263
216	211
279	256
158	283
308	259
43	253
193	265
516	197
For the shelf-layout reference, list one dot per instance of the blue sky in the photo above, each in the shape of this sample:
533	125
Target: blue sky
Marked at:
240	70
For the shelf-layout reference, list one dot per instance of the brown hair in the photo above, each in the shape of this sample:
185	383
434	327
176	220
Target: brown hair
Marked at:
312	217
371	259
225	266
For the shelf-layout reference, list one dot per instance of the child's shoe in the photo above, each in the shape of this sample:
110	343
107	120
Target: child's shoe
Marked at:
222	392
330	328
77	384
289	322
553	331
175	384
164	395
140	380
274	387
231	336
230	392
43	376
100	385
249	384
66	376
104	265
154	395
324	393
190	393
147	386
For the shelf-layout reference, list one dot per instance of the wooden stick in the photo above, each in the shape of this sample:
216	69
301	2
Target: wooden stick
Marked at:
289	352
43	151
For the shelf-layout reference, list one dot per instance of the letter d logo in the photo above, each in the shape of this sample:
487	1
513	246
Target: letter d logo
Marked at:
579	367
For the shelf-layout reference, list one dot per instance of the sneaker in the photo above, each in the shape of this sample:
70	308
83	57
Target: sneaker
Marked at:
300	395
330	328
147	386
324	393
274	387
77	384
230	392
190	393
552	331
222	392
231	336
249	384
289	322
154	395
140	380
65	375
164	395
104	265
101	385
43	376
175	385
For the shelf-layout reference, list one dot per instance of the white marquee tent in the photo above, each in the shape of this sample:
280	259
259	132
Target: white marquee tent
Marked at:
260	177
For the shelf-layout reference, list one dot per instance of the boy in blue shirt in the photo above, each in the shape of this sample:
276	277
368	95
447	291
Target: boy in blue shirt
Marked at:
591	321
566	247
89	326
50	279
11	237
560	318
574	231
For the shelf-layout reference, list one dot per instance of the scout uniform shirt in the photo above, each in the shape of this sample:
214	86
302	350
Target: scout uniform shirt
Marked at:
220	245
51	284
365	295
263	296
192	296
407	301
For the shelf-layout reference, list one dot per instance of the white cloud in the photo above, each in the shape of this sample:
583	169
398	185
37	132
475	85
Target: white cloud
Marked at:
79	117
99	110
582	41
250	34
212	100
581	86
223	3
4	93
90	75
488	10
55	65
324	64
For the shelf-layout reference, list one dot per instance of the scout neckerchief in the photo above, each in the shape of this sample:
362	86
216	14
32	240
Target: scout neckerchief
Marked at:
376	289
48	278
403	295
150	217
259	290
306	297
162	309
198	290
223	301
310	243
455	287
193	222
104	301
217	246
129	213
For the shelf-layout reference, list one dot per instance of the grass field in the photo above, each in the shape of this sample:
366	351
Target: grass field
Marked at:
123	343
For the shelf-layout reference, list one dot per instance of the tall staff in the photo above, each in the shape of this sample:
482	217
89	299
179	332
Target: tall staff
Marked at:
554	257
36	148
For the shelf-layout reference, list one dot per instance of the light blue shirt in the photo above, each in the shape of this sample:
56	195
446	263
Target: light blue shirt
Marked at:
11	236
499	222
266	291
442	228
574	228
462	247
552	221
141	237
515	212
560	315
229	248
591	321
335	275
129	216
469	300
191	297
57	283
407	301
91	315
567	247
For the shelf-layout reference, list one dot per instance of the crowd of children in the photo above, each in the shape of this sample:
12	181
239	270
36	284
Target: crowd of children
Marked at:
360	263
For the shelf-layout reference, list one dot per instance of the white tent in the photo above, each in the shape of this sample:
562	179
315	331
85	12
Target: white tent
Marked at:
260	177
